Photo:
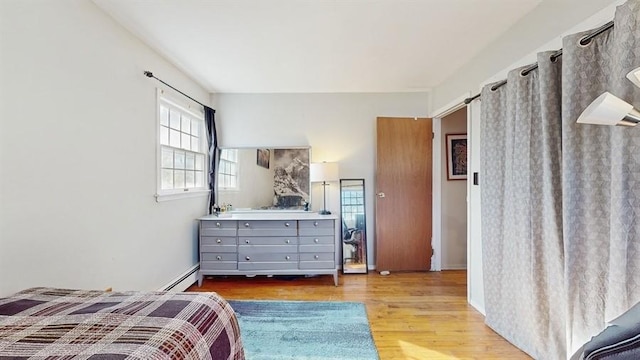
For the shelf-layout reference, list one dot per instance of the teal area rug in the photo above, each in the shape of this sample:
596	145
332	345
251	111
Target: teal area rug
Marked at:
304	330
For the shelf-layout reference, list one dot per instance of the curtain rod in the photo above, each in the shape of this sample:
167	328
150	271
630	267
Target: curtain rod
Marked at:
150	75
585	40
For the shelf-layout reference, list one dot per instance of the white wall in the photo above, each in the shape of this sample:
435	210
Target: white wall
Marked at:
338	127
454	201
475	270
545	22
78	154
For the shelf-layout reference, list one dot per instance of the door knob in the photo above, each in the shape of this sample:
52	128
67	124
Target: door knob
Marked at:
380	195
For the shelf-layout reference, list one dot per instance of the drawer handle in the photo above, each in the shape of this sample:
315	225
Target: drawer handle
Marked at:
286	224
288	241
247	241
246	224
248	258
288	257
315	223
218	241
219	257
316	241
218	224
316	257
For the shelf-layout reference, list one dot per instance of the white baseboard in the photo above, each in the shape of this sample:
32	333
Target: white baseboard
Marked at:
477	307
183	281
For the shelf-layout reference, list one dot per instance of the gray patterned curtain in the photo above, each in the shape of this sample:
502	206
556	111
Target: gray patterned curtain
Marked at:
559	200
601	181
521	209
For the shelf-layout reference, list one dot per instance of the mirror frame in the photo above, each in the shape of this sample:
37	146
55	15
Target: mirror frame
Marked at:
353	239
221	198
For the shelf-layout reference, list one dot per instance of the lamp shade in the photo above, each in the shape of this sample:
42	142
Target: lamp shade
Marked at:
607	109
324	171
634	76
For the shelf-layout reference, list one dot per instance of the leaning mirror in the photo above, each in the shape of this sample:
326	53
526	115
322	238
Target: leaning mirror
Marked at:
354	239
268	178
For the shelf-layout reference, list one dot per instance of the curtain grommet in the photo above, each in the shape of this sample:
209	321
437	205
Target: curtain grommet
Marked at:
584	41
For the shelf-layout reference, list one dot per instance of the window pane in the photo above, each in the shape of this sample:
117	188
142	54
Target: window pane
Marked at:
199	179
174	119
195	127
174	138
186	141
232	181
232	168
178	179
190	179
164	116
191	161
199	162
167	158
195	144
233	155
164	135
186	125
179	160
167	179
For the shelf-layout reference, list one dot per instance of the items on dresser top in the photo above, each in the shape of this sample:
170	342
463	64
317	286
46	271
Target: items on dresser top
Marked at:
296	243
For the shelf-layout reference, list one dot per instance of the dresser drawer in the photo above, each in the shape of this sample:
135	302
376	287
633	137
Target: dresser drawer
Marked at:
317	240
254	249
274	240
218	228
268	228
317	261
317	257
218	240
218	244
218	261
317	244
255	266
211	256
218	265
305	265
315	227
269	257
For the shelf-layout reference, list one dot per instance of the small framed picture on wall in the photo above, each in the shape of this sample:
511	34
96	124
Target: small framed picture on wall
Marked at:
263	158
456	156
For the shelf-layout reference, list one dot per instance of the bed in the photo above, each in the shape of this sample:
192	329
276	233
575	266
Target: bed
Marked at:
61	323
620	340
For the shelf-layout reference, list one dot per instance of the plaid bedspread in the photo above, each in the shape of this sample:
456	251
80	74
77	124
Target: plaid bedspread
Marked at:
46	323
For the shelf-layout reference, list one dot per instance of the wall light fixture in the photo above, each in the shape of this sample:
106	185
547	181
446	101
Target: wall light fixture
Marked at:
608	109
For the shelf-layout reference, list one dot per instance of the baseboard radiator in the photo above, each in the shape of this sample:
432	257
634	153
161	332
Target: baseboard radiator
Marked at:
183	281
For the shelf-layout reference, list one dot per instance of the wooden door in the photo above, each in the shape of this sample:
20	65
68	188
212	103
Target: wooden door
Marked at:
403	194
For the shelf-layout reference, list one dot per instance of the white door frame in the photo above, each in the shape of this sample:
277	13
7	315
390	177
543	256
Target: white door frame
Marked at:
436	240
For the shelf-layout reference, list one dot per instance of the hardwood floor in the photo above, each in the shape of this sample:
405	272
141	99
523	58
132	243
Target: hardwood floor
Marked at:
412	315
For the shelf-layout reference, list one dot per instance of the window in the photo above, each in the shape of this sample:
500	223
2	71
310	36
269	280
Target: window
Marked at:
182	148
228	170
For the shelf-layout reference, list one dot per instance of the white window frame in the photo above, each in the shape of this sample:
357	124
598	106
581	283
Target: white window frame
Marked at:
196	112
237	173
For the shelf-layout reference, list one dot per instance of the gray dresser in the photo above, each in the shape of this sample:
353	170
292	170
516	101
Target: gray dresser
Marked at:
256	243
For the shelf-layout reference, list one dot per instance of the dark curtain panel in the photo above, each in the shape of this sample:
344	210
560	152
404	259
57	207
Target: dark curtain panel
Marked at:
212	137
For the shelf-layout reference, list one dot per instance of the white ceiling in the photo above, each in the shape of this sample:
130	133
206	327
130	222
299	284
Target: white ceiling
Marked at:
292	46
